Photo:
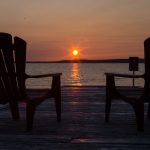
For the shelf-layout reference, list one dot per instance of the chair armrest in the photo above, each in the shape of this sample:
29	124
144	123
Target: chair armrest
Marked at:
124	75
43	75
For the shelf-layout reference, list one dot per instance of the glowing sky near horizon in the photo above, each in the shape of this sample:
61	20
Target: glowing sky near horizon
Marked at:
100	29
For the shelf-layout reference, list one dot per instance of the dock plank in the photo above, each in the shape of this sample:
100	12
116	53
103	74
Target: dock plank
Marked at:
82	125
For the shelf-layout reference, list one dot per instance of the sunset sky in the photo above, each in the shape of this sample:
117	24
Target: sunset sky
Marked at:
99	29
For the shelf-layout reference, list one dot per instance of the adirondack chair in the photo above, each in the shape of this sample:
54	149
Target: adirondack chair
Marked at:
13	78
136	101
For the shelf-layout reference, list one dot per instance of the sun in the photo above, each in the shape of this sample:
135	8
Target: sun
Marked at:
75	52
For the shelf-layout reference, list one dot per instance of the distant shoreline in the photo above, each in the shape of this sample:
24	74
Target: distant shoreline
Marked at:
141	60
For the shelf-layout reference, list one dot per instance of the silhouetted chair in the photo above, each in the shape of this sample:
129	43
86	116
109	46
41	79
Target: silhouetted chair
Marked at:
13	77
132	97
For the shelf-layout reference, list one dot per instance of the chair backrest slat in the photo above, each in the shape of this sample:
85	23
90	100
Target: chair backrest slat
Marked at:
5	85
12	67
147	65
20	58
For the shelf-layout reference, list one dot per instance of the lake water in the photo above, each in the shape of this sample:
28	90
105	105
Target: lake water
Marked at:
80	74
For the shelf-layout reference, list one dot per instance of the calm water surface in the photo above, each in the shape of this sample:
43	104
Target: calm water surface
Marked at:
81	74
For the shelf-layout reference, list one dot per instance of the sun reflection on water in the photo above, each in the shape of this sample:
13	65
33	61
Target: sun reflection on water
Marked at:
75	75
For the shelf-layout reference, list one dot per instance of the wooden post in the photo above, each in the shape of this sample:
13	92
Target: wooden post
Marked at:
133	66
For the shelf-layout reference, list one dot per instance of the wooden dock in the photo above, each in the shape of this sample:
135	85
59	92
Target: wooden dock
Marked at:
82	125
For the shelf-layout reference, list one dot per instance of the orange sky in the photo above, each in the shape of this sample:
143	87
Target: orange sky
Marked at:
100	29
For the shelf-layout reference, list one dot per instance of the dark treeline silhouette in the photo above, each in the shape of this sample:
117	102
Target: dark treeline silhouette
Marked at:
141	60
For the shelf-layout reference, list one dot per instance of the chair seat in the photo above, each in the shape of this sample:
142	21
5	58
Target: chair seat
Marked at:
35	93
131	92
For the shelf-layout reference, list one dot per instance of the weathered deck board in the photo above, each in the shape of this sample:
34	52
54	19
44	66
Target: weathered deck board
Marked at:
82	125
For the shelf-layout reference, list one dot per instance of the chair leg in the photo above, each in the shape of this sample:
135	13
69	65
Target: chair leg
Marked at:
30	110
139	112
107	108
56	90
58	107
148	113
110	90
14	109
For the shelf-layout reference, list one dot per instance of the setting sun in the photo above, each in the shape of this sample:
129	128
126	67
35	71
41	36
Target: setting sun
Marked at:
75	52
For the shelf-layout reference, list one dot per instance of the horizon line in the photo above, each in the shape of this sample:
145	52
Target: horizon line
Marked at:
141	60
